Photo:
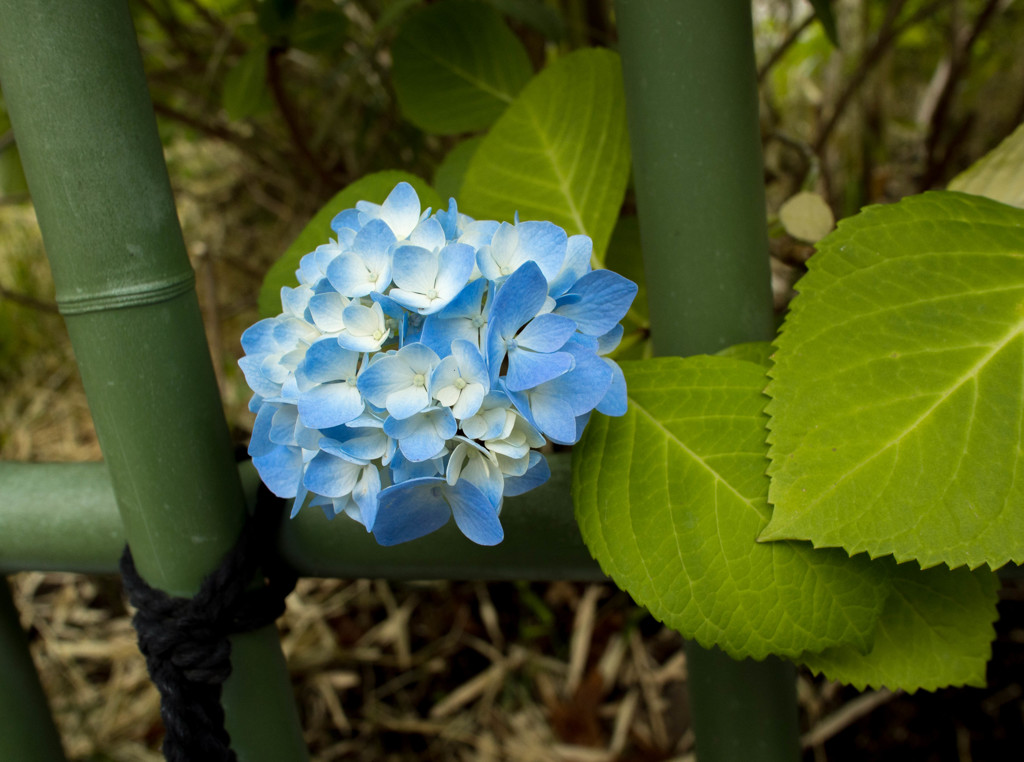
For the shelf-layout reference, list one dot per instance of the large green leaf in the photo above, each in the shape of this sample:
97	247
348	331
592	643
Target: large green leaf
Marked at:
375	188
670	499
898	387
560	152
999	174
452	170
935	631
457	67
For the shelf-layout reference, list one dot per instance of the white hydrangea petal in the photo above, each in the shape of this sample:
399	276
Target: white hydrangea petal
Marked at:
328	310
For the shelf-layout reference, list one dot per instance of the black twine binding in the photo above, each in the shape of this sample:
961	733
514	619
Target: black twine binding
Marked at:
185	640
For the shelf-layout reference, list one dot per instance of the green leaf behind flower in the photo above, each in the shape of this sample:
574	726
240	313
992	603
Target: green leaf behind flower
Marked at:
559	153
452	171
670	499
898	387
457	67
374	188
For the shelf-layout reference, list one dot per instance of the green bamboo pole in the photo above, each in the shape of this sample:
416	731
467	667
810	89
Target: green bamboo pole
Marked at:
691	94
63	517
76	93
27	732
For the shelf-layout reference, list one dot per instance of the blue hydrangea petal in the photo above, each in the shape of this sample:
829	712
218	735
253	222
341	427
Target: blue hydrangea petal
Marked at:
259	442
284	425
252	369
280	469
331	404
609	341
274	370
615	402
407	401
491	420
295	300
471	463
384	377
415	269
536	474
544	243
462	318
549	413
518	300
400	210
467	303
403	469
529	369
374	241
365	328
500	253
578	251
474	514
479	233
326	360
259	337
587	383
445	375
422	436
365	495
546	333
429	234
410	510
351	275
605	297
449	220
347	219
328	310
472	366
455	266
361	444
330	476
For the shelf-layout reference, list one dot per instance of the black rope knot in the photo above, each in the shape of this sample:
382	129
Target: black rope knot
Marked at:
185	640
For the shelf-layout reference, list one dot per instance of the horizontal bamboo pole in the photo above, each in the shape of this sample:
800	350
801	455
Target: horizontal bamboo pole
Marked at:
63	517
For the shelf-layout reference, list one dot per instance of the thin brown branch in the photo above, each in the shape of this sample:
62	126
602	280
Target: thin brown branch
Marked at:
199	125
960	61
846	716
27	301
888	33
780	51
291	120
172	28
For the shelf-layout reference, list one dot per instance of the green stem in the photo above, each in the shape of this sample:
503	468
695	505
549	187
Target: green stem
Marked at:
691	93
77	98
27	732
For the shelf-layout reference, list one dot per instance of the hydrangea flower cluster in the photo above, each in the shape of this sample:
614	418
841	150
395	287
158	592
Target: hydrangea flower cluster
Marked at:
423	359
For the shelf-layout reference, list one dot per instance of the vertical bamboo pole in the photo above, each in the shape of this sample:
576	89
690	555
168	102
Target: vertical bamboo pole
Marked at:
27	732
691	93
74	86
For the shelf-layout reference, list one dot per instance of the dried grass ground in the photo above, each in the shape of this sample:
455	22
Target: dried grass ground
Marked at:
530	672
